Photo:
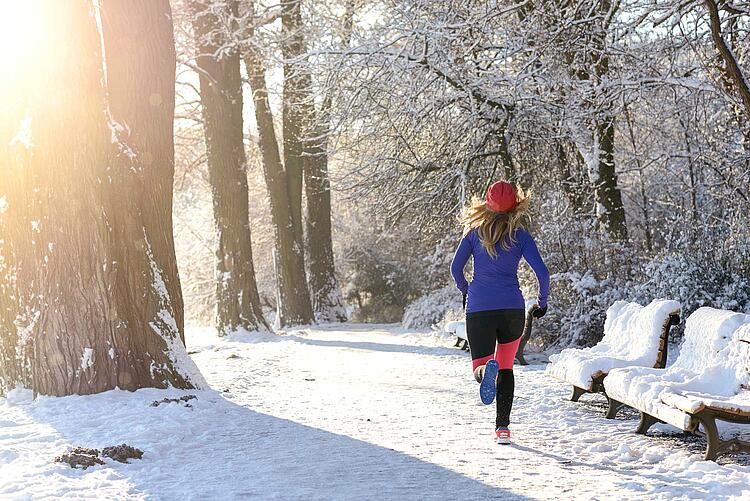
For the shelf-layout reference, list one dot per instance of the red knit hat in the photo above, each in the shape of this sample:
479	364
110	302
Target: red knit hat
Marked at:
501	197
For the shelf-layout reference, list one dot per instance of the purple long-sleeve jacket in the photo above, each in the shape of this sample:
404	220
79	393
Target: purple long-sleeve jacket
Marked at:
495	283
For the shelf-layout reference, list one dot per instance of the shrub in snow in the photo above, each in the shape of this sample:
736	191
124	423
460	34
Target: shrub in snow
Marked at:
432	308
578	305
379	286
578	302
695	282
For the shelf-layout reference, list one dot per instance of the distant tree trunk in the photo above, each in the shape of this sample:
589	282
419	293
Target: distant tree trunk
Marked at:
324	287
97	311
292	293
238	301
321	270
641	184
609	210
506	158
570	181
294	119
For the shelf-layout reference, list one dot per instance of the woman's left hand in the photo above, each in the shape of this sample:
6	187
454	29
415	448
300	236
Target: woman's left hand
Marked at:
539	311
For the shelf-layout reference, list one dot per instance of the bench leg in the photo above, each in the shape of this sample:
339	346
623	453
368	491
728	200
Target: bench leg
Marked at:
647	421
458	342
613	409
577	392
524	339
465	347
714	445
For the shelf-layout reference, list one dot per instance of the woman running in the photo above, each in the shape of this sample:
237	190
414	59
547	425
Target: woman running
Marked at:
495	310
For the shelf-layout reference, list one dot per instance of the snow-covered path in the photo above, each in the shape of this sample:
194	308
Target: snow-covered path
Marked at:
350	412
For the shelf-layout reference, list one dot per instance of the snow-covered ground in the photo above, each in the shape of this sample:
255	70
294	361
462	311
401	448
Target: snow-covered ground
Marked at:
349	412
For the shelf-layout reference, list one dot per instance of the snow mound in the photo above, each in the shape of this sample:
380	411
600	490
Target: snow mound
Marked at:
632	336
19	396
711	369
431	308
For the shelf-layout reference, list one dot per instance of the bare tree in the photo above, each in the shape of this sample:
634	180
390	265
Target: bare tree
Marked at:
593	129
284	190
218	60
146	105
321	270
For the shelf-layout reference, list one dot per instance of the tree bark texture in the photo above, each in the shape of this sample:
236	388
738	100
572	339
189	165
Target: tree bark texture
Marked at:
610	210
324	288
238	301
294	119
96	310
140	56
15	231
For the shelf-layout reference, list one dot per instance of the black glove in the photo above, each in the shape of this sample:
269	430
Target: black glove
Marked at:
539	311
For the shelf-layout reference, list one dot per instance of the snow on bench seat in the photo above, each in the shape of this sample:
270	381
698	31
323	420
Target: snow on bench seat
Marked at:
634	335
724	387
708	332
709	379
457	328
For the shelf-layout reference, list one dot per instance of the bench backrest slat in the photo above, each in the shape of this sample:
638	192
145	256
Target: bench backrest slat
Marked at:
738	354
633	331
708	331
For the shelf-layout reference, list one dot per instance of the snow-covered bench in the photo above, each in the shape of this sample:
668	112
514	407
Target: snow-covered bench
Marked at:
634	335
710	380
458	329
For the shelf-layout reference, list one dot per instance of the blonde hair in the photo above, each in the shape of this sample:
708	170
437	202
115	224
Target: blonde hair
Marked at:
493	227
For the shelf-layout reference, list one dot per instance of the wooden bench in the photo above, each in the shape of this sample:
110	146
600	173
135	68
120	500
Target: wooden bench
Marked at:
458	329
634	335
709	381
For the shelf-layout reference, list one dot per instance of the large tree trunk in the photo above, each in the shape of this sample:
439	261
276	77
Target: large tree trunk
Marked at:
15	230
238	301
96	309
140	67
293	306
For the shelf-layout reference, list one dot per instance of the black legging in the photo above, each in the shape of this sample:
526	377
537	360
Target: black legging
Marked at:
485	331
506	383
